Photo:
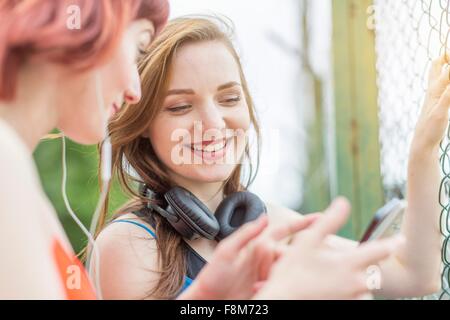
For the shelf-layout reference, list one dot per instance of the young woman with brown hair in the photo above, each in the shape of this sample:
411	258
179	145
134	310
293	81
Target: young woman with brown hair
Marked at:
190	131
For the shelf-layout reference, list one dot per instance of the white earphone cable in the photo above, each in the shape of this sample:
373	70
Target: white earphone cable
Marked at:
92	249
75	217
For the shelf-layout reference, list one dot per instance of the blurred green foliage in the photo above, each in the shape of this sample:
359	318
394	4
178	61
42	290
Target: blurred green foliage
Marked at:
82	184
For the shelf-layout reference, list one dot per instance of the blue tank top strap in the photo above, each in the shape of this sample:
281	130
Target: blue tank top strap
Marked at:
187	281
143	226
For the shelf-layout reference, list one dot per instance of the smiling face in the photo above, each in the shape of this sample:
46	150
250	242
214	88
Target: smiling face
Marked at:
82	116
199	133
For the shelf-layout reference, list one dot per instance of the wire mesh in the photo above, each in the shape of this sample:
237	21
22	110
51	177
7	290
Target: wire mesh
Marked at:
409	35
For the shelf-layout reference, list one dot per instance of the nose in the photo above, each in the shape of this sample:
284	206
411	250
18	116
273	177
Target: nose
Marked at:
212	117
132	97
133	93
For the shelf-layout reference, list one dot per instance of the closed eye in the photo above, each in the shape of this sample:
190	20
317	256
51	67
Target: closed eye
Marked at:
231	100
179	109
144	38
141	54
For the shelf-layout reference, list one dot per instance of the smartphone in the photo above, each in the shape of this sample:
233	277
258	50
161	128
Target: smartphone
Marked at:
386	222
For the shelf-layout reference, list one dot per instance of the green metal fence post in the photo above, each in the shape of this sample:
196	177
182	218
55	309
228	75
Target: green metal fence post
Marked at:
357	137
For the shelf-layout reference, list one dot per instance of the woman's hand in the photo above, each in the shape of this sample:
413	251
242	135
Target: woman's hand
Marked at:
242	261
415	270
311	269
308	269
433	119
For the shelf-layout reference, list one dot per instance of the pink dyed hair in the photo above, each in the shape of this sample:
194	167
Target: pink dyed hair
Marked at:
37	29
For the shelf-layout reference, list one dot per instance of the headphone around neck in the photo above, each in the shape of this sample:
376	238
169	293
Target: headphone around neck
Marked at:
192	219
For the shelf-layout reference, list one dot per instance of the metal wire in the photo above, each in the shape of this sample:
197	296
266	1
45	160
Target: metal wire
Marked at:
409	35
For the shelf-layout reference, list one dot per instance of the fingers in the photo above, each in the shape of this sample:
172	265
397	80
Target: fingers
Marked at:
373	252
243	236
436	68
334	218
365	296
444	103
280	250
361	288
278	233
267	248
276	252
258	286
439	77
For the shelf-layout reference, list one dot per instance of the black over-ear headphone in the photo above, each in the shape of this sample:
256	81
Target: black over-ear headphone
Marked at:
192	219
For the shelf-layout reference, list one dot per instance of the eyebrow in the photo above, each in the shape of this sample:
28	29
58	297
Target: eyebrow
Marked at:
228	85
180	92
190	91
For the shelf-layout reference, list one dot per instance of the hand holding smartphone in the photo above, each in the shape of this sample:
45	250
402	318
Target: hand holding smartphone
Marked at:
387	221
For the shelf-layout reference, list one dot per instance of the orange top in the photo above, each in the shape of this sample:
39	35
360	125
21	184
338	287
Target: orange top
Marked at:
73	275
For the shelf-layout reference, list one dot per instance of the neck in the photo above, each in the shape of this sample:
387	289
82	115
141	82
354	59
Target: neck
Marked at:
211	194
32	113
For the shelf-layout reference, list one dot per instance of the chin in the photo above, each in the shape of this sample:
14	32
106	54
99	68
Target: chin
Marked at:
209	174
84	128
86	136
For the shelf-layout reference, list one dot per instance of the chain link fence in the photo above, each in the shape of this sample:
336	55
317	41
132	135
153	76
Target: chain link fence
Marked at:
409	35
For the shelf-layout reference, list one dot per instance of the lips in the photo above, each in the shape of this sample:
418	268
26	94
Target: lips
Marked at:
210	146
210	150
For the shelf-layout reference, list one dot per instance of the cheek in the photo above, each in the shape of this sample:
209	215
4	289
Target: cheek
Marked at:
80	116
165	131
119	74
240	122
245	120
160	134
115	79
239	118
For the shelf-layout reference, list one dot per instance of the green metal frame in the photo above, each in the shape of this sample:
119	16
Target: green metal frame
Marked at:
357	134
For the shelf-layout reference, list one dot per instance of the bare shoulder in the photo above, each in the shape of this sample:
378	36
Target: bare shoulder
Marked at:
123	237
27	243
128	259
18	181
129	227
16	159
19	177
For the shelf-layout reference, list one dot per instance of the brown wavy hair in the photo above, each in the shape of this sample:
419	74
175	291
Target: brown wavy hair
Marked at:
131	151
